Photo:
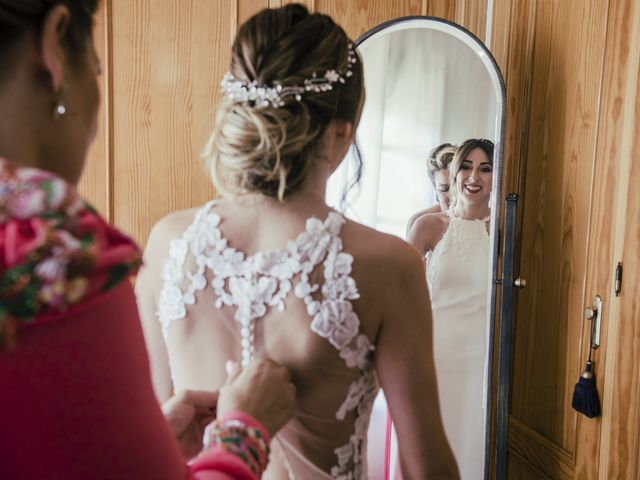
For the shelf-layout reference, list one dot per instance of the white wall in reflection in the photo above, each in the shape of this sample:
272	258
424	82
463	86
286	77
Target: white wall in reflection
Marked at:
424	87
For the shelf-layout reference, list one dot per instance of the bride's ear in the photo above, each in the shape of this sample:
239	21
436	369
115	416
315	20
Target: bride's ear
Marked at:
343	130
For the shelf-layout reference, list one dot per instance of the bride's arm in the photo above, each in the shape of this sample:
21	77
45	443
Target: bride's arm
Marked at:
406	370
148	286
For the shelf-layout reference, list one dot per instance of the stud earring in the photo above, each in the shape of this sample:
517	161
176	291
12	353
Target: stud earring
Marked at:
59	106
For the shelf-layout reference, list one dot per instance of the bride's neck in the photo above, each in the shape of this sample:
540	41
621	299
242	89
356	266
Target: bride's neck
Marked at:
471	211
312	191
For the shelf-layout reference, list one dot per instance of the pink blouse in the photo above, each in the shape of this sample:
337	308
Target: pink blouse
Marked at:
76	400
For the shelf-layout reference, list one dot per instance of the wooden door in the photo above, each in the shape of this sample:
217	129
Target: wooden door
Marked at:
572	73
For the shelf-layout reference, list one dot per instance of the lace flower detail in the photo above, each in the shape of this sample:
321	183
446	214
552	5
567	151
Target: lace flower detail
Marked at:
358	356
337	322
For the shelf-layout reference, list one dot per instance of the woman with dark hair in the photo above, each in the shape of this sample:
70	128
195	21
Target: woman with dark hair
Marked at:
456	244
271	270
77	400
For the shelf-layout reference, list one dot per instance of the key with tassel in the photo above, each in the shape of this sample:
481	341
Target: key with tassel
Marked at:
585	394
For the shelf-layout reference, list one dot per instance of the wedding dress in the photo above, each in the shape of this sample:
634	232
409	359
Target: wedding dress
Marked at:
242	300
458	278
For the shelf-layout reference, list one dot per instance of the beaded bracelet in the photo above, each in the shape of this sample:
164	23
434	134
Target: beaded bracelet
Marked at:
237	437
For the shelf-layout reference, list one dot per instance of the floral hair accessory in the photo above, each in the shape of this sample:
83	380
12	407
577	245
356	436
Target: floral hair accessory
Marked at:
243	91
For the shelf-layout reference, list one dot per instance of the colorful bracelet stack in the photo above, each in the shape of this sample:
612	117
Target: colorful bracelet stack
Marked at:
233	435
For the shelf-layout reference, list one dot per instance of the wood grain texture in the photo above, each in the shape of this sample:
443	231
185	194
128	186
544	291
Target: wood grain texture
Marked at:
543	455
247	8
619	452
557	197
572	73
358	16
168	58
440	8
549	56
310	4
513	47
520	469
95	184
472	14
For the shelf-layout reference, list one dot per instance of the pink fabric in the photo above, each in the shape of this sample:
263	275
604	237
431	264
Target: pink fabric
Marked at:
222	465
387	447
77	402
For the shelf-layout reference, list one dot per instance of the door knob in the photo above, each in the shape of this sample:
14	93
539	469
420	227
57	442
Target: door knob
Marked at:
520	283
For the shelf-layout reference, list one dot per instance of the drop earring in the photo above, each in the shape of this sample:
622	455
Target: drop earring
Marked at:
59	106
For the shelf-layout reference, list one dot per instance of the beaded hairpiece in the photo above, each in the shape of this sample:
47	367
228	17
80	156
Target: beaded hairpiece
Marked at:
274	95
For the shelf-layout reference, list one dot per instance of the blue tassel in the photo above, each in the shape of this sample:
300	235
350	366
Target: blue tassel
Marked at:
585	395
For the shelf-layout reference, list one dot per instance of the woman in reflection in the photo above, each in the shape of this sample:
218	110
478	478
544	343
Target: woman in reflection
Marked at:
438	171
271	270
456	244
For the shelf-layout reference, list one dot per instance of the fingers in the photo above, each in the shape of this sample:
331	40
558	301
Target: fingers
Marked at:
201	399
270	365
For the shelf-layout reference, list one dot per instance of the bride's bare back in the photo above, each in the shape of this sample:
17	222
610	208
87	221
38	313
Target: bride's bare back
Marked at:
392	309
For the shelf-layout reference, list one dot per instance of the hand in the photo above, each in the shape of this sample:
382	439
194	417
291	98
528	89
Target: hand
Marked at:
188	413
263	390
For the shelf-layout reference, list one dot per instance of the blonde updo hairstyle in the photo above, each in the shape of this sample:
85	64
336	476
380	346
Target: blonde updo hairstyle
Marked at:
271	150
439	159
461	154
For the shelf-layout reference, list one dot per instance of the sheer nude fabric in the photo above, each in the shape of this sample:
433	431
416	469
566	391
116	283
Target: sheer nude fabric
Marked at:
293	304
458	274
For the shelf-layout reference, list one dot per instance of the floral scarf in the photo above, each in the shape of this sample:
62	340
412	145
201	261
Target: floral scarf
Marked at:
55	250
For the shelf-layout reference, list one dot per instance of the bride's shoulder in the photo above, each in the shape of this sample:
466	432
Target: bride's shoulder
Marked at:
432	220
166	229
427	230
378	248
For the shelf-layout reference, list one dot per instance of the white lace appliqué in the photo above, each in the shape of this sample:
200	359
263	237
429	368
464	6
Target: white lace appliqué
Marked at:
463	234
253	284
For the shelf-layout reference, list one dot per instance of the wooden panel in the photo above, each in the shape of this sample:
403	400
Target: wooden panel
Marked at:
472	15
247	8
168	59
619	452
576	205
440	8
358	16
560	160
539	453
310	4
95	182
512	46
520	469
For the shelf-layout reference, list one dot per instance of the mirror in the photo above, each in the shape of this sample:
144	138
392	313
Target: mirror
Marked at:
430	82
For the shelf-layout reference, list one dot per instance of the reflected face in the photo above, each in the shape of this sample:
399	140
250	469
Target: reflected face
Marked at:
441	180
474	178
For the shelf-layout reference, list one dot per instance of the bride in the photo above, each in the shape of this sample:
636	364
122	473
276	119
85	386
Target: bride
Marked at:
270	270
456	244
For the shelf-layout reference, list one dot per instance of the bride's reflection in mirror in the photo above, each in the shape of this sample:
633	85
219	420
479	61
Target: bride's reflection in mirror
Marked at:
430	85
457	250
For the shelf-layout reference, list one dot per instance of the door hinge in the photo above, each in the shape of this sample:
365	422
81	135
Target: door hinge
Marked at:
618	279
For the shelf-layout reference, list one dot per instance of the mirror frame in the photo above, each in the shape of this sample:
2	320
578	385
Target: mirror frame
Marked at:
496	203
